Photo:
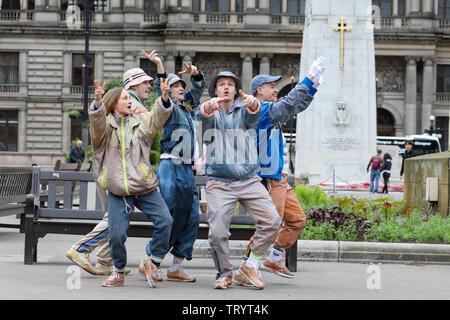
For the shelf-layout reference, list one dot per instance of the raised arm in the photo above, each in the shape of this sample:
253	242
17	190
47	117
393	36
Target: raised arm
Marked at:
153	121
97	115
299	98
198	84
153	57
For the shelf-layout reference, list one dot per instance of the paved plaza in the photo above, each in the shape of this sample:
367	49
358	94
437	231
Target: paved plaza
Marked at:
55	277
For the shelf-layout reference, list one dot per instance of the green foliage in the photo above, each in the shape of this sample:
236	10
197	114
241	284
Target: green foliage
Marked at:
309	198
328	231
116	82
73	113
152	96
350	219
412	228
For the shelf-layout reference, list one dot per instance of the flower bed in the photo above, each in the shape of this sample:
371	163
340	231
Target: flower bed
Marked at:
384	220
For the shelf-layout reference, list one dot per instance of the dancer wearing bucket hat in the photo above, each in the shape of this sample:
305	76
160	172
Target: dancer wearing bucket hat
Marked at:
224	120
273	169
175	172
138	85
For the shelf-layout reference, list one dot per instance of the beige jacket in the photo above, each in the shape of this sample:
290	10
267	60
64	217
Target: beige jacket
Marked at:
122	149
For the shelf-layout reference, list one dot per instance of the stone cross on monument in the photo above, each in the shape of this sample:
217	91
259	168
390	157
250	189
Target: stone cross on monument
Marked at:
337	133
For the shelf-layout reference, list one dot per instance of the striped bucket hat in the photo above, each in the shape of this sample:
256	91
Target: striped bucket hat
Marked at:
135	76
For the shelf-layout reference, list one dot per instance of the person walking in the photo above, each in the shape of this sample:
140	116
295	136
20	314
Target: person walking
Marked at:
122	142
138	85
175	172
231	169
386	172
273	170
375	164
409	153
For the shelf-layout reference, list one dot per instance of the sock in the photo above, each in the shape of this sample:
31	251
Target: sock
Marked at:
176	264
253	260
276	254
156	261
244	259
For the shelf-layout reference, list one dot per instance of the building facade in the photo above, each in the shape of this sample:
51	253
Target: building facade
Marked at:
42	56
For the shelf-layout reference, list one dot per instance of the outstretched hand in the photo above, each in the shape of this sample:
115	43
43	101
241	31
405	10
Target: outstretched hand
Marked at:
165	88
99	92
190	69
250	102
317	69
213	105
153	56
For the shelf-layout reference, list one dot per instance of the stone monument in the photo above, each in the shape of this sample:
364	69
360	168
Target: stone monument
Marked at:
337	133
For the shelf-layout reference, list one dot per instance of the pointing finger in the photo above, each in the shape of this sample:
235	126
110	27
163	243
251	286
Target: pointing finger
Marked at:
242	94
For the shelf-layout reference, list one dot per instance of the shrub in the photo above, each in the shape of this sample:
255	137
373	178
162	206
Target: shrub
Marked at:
309	198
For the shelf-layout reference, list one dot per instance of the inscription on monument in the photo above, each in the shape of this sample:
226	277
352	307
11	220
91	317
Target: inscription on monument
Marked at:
341	143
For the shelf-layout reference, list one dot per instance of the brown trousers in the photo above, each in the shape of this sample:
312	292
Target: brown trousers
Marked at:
290	211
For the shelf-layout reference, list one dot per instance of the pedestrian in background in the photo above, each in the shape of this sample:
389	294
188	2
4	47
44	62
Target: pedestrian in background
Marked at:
375	165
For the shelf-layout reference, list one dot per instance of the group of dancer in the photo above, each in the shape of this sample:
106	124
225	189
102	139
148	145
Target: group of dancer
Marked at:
122	132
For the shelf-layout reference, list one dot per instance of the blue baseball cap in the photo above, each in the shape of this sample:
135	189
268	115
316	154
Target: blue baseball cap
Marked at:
228	74
260	79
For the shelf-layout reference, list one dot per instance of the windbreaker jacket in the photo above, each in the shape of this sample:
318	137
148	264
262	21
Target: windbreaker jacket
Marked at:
181	119
231	142
122	149
269	135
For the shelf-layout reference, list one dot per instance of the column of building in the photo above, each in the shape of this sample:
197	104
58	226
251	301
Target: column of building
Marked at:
410	96
427	92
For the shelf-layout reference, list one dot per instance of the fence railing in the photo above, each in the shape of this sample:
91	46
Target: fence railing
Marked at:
442	97
16	15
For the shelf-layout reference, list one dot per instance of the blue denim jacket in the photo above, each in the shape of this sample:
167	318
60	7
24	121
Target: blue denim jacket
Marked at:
178	131
230	139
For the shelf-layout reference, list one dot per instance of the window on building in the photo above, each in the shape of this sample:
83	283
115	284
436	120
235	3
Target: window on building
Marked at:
9	68
97	5
76	127
78	70
444	9
443	79
385	123
8	130
239	5
196	5
151	6
149	67
275	6
385	7
10	4
442	128
218	6
401	8
296	7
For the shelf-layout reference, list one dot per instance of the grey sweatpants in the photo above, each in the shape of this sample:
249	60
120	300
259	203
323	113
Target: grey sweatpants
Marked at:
222	198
